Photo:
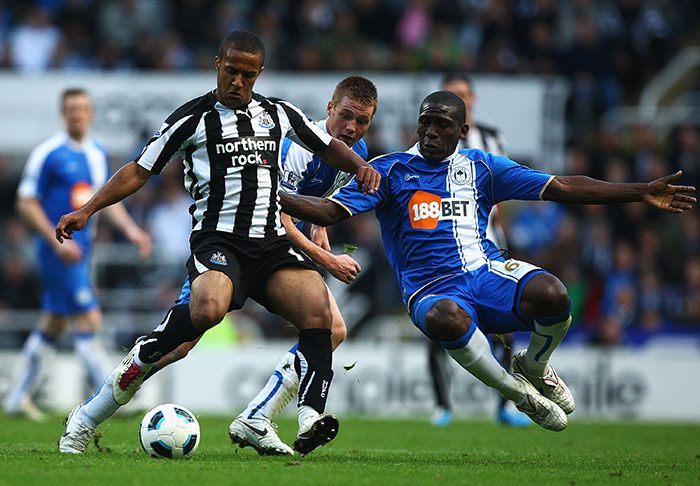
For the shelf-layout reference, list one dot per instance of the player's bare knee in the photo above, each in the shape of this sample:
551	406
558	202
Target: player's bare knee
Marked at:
319	317
555	298
206	315
446	321
339	334
544	295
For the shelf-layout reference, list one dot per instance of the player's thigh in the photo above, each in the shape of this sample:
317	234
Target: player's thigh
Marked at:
300	296
496	294
211	294
89	321
53	324
338	330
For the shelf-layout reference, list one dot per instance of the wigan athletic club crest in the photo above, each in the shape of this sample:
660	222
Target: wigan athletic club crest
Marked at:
459	175
265	121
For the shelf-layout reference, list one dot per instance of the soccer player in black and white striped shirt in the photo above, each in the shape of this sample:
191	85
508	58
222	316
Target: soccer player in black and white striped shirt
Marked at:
230	141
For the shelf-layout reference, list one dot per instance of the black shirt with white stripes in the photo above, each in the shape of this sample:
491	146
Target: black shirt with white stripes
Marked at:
232	159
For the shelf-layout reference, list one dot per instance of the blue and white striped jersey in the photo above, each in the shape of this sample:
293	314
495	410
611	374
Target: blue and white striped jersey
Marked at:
305	173
63	175
433	216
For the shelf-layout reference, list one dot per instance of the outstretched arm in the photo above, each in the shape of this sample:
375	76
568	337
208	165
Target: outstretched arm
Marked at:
126	181
342	157
661	193
320	211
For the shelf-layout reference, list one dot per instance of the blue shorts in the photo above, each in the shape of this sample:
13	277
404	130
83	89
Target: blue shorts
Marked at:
66	288
490	295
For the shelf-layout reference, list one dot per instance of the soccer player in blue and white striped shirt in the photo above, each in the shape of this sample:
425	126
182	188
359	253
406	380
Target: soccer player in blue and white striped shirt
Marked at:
61	175
433	206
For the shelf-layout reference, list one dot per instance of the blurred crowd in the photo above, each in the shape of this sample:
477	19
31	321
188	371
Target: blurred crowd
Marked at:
631	271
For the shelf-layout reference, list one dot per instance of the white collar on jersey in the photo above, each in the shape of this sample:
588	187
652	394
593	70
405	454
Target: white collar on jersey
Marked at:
415	151
322	124
74	144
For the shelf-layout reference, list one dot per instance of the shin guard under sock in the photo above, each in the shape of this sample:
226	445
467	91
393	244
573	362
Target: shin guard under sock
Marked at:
313	365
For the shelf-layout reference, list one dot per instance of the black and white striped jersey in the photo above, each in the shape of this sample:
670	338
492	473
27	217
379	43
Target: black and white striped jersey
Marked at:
484	138
232	160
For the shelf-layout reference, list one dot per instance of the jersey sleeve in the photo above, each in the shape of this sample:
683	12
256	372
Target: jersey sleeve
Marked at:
302	130
174	133
354	201
166	143
295	161
515	181
35	174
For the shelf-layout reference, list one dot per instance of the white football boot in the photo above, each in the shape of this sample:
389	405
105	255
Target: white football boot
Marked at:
129	376
76	435
550	385
539	408
316	432
260	434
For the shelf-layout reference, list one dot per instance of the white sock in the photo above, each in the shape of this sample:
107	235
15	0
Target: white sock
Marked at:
543	341
32	363
307	414
476	358
91	352
277	392
100	406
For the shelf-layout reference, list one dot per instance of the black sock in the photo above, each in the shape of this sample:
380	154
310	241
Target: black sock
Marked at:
439	374
175	329
151	372
313	365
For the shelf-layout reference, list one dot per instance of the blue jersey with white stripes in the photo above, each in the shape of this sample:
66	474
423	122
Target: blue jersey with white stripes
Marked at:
433	216
63	174
305	173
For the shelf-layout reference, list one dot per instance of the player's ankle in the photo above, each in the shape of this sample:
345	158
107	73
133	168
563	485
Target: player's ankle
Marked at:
307	414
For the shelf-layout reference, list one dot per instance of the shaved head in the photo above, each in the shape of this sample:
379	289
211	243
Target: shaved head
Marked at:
446	99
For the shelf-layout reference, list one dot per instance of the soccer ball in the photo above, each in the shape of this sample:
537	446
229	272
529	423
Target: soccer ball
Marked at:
170	431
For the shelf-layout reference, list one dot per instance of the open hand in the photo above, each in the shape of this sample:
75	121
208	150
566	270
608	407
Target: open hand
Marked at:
663	195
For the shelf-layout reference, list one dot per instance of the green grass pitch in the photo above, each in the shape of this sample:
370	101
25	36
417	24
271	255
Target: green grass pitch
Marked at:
368	452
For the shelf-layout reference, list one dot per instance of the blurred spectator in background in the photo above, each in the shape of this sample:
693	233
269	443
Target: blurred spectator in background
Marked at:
169	220
691	292
34	41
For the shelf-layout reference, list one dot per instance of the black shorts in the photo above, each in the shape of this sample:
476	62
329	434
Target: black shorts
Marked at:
248	262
